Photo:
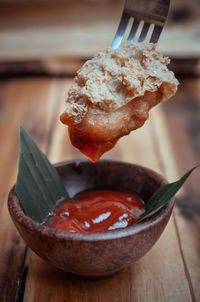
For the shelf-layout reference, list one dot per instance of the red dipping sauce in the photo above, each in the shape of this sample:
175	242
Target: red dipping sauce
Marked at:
96	211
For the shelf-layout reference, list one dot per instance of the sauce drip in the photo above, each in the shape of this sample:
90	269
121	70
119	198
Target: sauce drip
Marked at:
84	141
97	211
92	150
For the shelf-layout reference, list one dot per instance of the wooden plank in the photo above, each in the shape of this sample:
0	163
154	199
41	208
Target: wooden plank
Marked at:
184	116
38	30
25	102
46	283
159	276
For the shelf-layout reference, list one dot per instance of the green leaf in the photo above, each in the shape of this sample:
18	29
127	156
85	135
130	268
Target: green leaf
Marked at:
163	195
38	186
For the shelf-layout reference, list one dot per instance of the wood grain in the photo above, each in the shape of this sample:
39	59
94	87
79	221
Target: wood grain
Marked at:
55	30
21	102
161	275
184	116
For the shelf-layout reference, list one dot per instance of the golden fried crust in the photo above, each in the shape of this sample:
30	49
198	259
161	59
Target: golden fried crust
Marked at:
114	93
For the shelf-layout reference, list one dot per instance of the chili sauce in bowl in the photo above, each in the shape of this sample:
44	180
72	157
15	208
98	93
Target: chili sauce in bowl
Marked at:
97	211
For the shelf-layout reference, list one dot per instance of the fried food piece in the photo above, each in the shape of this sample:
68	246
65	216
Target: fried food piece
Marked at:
113	94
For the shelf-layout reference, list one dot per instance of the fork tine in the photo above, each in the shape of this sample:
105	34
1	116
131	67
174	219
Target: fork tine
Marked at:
156	34
144	32
133	30
120	31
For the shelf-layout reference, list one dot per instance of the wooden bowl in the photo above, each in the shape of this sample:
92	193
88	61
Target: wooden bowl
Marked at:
96	254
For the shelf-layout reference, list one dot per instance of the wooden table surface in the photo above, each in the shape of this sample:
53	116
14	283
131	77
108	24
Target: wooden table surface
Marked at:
168	143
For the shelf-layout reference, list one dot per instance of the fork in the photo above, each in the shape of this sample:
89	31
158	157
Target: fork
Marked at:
152	13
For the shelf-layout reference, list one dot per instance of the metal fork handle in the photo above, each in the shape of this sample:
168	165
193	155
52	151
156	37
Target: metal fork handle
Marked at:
151	11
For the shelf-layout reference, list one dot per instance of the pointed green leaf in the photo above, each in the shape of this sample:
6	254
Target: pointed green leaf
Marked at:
38	185
163	195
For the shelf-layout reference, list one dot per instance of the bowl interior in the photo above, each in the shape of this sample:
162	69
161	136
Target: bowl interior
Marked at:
80	176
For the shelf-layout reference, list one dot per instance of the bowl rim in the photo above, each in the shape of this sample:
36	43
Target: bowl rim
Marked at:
19	216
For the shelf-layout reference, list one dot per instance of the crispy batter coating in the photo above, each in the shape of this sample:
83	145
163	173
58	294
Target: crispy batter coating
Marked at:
113	94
